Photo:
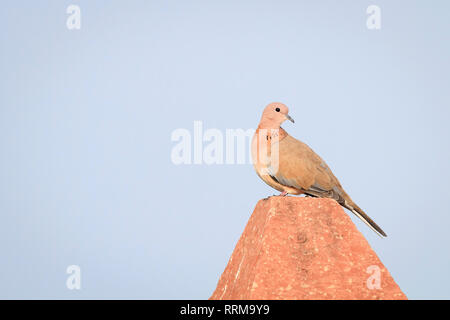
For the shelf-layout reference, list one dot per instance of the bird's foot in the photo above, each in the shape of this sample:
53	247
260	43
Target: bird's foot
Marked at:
283	194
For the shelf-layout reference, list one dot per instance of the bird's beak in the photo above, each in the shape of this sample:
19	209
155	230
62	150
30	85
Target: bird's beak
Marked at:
289	118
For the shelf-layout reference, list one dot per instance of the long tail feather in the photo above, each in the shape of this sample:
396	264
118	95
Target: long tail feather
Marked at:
366	219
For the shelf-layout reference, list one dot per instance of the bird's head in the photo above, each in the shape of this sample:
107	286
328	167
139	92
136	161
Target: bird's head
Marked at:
274	115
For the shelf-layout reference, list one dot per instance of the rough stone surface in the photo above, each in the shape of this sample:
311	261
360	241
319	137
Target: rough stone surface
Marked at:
304	248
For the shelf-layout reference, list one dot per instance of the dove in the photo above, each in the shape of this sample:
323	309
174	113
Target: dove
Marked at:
292	167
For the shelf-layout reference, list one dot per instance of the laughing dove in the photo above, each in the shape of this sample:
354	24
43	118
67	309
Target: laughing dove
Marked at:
291	167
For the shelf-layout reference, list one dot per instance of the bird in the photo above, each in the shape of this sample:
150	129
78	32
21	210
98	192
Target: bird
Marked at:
293	168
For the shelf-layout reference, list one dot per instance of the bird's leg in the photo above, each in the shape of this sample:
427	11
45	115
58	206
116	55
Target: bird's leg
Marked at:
283	194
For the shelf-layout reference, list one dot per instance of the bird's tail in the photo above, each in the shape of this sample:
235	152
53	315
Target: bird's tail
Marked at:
350	205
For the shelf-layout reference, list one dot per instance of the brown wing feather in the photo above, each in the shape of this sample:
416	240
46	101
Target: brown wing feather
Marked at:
300	167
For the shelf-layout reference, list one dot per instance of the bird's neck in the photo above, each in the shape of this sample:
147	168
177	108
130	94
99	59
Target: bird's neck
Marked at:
271	131
269	124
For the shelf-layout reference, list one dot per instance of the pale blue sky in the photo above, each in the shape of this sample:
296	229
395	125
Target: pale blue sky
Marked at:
86	118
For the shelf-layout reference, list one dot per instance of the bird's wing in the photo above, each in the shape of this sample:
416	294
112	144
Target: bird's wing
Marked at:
300	167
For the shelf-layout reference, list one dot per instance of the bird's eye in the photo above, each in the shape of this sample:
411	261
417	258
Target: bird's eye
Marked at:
277	109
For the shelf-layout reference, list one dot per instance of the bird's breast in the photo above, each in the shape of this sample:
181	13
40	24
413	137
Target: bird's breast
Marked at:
265	150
